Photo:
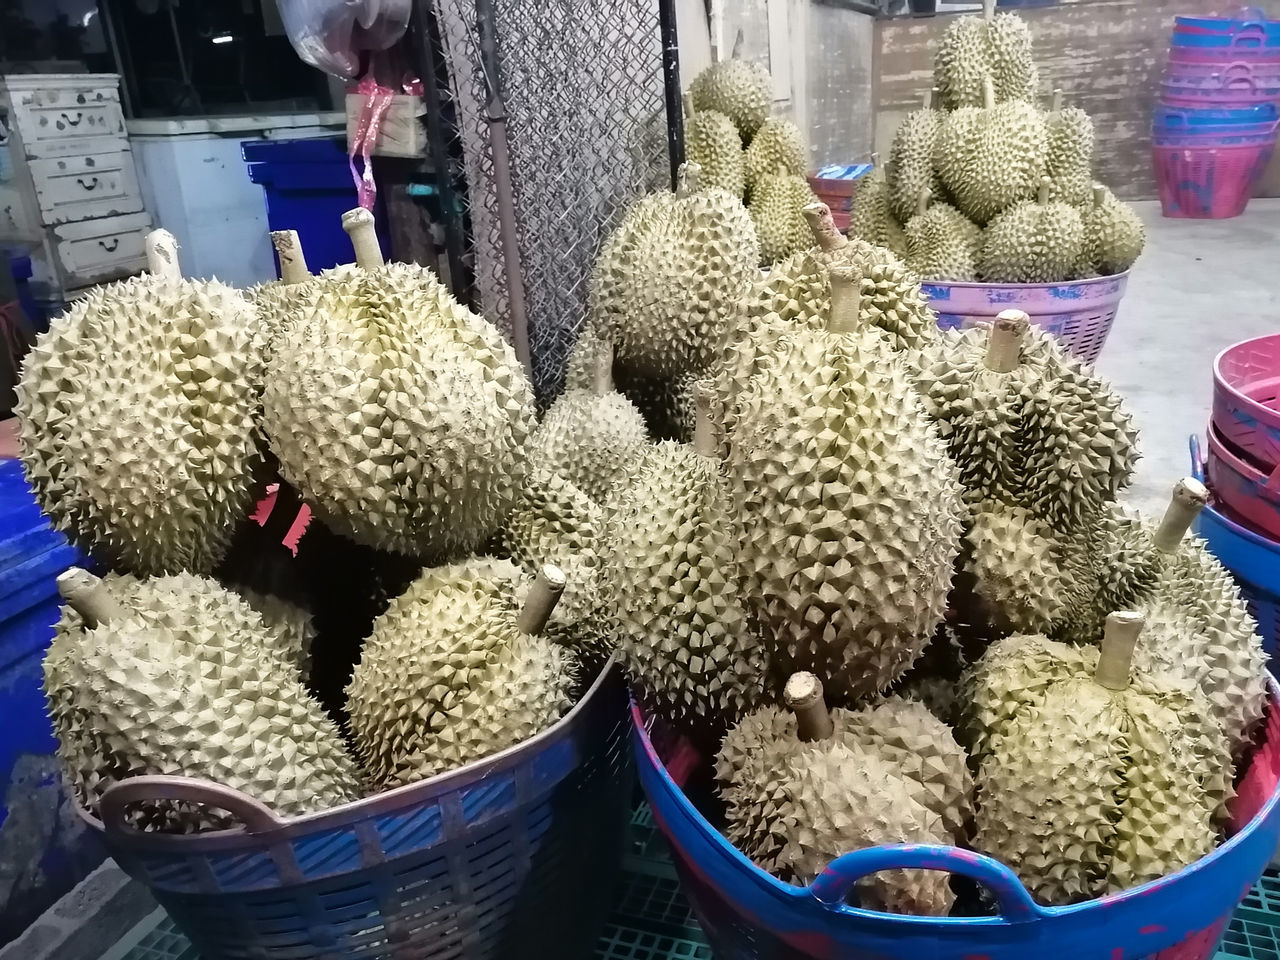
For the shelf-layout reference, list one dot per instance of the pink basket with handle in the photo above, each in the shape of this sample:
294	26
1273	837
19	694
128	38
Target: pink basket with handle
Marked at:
1079	313
1246	399
1250	493
1208	182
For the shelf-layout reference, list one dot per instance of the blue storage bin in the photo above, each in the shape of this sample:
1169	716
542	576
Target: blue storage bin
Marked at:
308	188
38	825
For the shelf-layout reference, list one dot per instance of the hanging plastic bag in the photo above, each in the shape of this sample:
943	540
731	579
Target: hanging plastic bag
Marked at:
332	34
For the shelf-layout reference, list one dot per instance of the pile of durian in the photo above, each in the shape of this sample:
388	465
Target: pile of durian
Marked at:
744	151
879	567
871	574
982	184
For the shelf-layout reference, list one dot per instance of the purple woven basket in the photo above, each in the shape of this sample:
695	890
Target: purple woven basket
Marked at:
1079	313
514	855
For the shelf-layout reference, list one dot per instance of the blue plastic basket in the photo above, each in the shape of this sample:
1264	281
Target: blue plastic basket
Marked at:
1254	561
747	913
502	858
1180	118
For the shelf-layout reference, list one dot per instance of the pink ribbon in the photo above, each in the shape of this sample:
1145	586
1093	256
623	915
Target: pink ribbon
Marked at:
377	101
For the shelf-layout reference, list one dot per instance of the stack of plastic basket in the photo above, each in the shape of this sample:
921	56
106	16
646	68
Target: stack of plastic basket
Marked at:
1242	464
1214	129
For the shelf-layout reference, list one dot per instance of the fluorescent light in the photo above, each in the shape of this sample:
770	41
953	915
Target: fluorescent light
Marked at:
222	38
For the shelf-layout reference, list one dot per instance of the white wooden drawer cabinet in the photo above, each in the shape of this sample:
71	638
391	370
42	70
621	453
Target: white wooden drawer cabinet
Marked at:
72	192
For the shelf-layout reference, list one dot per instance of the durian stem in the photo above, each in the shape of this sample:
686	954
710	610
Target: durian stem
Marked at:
988	93
293	263
1042	196
1119	638
846	300
1004	348
89	597
935	99
602	373
1057	101
922	202
687	179
704	429
739	41
1189	498
824	227
687	100
364	238
926	99
1099	194
162	255
988	10
803	697
542	600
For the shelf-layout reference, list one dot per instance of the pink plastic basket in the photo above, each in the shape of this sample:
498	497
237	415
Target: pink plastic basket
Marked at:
1079	313
1250	493
1208	182
1246	399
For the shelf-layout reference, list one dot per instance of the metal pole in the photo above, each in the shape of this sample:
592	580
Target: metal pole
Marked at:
671	84
508	232
450	201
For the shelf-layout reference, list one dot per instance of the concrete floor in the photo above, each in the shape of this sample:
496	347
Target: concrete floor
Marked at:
1200	286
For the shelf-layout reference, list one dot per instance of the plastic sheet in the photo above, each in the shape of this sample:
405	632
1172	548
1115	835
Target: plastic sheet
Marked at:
331	35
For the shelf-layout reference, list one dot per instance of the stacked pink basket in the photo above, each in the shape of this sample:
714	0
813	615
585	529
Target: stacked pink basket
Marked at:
1244	434
1214	128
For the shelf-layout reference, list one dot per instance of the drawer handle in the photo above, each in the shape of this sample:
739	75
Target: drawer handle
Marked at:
93	182
110	247
76	121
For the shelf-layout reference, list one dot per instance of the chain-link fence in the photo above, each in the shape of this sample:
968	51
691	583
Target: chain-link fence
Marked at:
582	85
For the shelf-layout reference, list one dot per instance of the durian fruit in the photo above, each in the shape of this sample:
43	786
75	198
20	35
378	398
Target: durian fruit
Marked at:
991	156
592	438
137	418
1027	424
672	277
454	672
777	147
800	790
1069	158
777	210
1113	234
282	302
398	414
712	142
1198	628
739	89
942	243
848	567
910	172
553	522
870	218
685	639
289	622
1104	781
995	46
580	370
1040	241
178	676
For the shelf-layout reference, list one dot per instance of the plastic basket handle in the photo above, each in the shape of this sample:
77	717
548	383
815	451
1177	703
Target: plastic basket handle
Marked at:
1250	30
255	816
1197	459
833	886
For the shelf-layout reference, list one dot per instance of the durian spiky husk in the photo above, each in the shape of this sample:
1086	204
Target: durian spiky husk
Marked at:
870	218
737	88
1048	435
990	158
943	244
1113	233
1069	159
684	636
1032	242
671	278
1088	790
447	677
793	807
777	210
190	681
973	49
591	439
399	415
712	141
910	170
777	145
848	568
138	422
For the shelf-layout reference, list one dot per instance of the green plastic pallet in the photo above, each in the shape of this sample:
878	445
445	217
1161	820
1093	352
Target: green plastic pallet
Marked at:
652	920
